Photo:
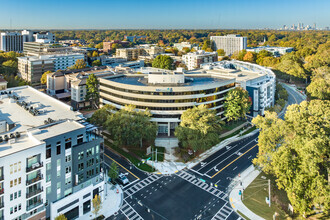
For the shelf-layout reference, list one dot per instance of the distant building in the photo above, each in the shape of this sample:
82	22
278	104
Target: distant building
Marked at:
135	52
188	45
276	51
193	60
31	68
37	48
13	41
107	46
132	38
229	43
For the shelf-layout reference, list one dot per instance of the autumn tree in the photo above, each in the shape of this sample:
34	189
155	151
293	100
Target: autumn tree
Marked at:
221	52
80	64
60	217
97	205
292	65
96	63
296	151
237	104
249	57
238	55
92	93
320	86
43	79
100	116
199	128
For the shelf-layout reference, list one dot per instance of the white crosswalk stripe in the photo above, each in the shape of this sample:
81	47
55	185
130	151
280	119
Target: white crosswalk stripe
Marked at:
223	213
129	212
143	183
192	179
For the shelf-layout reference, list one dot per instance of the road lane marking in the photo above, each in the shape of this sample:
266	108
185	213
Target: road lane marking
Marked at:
233	161
226	157
235	168
122	166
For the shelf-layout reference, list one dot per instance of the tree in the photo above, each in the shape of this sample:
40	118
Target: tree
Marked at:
97	205
10	63
320	86
113	171
238	55
209	50
43	78
60	217
131	127
99	46
296	151
199	129
92	94
96	63
221	52
249	57
80	64
237	104
163	62
206	44
95	54
292	65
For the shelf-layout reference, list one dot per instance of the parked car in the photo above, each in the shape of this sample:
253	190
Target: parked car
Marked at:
122	179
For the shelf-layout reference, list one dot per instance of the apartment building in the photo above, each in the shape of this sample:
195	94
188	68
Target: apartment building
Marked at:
31	68
193	60
107	45
142	50
50	159
188	45
37	48
229	43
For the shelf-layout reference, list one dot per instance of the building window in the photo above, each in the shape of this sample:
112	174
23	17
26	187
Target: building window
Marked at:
81	155
48	189
68	158
58	173
48	178
68	170
97	149
80	166
48	153
80	138
58	162
58	149
48	166
68	143
68	180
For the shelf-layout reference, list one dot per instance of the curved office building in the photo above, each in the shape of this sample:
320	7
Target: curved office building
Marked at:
165	95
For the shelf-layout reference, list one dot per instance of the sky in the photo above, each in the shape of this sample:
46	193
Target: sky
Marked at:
161	14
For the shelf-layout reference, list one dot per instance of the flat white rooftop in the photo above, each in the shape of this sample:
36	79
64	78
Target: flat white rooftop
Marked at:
23	120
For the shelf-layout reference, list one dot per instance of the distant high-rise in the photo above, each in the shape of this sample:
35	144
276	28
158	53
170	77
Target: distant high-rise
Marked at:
230	43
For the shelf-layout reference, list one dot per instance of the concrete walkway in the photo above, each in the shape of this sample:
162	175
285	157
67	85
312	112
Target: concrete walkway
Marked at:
235	199
111	202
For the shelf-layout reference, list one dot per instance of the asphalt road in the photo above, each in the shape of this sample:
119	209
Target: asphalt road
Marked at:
198	193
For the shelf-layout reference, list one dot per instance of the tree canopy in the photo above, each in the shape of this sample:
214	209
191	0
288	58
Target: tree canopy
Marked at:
199	129
43	79
92	94
237	104
319	88
80	64
297	152
163	62
96	63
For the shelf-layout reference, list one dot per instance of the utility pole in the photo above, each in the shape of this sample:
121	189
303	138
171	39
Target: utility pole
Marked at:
269	192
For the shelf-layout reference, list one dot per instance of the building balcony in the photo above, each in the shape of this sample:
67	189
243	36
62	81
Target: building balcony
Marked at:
34	180
2	205
2	191
34	166
2	178
32	206
35	192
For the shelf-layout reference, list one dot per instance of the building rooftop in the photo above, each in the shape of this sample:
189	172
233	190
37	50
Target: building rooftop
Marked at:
19	120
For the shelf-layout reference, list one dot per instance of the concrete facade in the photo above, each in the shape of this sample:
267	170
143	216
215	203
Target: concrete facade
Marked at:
193	60
229	43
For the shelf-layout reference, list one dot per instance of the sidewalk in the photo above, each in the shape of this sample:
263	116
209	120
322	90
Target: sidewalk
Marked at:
173	167
235	199
110	204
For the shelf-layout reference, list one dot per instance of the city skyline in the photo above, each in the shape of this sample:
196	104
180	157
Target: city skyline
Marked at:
155	15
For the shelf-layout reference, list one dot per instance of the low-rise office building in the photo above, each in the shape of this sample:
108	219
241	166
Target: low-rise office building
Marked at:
107	46
276	51
188	45
166	94
31	68
50	159
229	43
193	60
134	53
259	81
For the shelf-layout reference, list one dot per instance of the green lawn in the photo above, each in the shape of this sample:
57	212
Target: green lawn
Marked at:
255	198
249	130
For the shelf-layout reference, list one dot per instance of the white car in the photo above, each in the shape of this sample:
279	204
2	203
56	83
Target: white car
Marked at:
123	179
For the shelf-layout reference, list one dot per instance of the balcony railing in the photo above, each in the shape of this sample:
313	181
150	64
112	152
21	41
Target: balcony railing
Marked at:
36	179
34	166
32	206
35	192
